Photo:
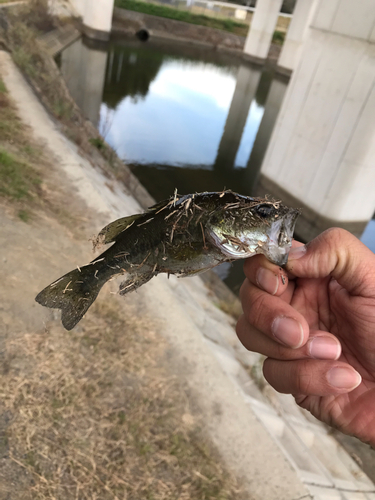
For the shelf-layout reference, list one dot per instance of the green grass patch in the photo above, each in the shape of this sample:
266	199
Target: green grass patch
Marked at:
17	179
24	215
278	37
97	142
3	88
235	27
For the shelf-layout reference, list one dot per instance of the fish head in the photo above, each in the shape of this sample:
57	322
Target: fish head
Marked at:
257	227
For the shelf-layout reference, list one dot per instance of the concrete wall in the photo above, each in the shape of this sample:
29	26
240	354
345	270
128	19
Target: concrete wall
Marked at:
322	149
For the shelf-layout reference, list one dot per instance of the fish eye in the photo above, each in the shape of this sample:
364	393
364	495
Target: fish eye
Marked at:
265	210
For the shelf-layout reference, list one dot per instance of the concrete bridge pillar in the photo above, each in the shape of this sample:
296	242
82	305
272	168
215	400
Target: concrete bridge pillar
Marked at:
322	150
97	19
96	16
297	32
262	27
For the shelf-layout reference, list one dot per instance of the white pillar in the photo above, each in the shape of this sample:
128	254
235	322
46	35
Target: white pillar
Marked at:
297	32
97	19
262	27
322	150
246	87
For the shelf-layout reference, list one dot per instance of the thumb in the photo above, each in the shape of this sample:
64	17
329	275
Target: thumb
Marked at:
339	254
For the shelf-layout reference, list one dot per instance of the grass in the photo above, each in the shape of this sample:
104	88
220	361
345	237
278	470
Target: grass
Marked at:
17	179
99	415
235	27
278	37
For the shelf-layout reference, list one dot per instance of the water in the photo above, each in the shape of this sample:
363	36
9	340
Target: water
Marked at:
180	117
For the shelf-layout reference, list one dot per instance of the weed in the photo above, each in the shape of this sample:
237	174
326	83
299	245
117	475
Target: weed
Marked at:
17	178
97	142
278	37
62	109
24	215
3	88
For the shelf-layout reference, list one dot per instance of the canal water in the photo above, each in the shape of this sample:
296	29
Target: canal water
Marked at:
180	117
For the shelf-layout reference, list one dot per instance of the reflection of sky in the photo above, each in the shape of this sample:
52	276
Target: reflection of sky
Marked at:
181	120
249	134
368	236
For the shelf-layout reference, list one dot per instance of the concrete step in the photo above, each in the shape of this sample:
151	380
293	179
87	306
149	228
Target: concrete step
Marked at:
57	40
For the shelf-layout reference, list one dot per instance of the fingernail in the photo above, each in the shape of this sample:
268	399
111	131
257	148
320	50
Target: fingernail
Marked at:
288	331
343	378
324	348
267	280
297	253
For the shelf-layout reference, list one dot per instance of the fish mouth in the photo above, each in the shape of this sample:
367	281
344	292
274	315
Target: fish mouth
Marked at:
280	236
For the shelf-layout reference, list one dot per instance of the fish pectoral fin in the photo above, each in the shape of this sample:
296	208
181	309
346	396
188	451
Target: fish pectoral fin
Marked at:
134	281
110	232
194	272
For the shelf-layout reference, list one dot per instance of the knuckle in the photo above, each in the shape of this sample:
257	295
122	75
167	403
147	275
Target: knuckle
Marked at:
335	235
304	380
283	353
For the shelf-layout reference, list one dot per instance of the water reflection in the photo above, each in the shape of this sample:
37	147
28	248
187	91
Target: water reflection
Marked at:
181	117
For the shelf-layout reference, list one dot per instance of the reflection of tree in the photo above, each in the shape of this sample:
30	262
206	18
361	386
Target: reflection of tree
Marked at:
131	68
130	72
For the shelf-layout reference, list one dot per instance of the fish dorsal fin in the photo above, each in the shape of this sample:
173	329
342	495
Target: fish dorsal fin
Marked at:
110	232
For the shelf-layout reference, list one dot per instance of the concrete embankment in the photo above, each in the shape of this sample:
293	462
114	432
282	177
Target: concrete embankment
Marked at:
126	22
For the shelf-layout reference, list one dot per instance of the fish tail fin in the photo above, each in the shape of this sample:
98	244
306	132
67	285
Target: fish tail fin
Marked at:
73	293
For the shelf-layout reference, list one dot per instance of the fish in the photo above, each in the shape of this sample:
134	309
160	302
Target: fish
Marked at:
184	235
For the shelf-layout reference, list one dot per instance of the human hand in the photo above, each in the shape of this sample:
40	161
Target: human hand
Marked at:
315	322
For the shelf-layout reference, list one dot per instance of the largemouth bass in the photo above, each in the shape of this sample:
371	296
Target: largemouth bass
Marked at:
184	235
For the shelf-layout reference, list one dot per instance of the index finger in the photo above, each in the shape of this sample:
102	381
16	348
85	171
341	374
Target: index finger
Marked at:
265	275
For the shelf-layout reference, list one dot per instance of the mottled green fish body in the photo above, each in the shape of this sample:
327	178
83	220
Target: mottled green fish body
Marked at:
184	235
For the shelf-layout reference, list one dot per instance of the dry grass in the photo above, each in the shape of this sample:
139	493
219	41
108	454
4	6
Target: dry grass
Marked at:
20	178
96	416
25	169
